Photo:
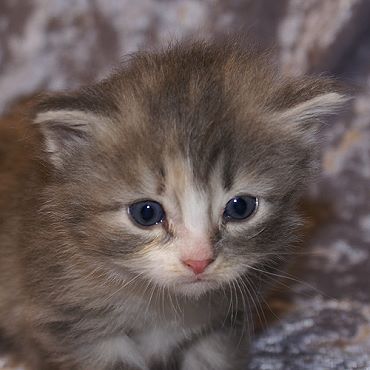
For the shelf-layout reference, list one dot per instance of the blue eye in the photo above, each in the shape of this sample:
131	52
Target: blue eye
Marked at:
240	208
146	213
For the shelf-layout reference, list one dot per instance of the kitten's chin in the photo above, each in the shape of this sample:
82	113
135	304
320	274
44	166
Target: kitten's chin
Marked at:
196	288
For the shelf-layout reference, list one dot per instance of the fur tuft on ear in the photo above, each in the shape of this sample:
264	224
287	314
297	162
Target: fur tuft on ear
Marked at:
302	105
64	132
314	109
69	121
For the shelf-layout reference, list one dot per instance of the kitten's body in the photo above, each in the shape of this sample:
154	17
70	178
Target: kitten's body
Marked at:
83	287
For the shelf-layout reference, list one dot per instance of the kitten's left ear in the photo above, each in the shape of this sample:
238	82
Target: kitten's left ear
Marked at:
303	106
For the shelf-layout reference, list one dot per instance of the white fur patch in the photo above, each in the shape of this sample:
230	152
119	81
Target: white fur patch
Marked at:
211	352
117	349
194	206
158	343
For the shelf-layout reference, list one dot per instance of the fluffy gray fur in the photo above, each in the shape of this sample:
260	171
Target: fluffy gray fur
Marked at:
82	286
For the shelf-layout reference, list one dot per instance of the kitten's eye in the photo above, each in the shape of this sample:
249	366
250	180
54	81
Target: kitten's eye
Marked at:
240	208
146	213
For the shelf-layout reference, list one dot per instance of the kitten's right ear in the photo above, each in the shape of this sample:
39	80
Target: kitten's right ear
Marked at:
70	122
65	132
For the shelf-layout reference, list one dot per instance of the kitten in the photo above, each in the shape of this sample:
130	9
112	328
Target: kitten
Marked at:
138	215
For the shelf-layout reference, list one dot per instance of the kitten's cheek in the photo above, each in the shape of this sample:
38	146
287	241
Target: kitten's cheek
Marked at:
161	266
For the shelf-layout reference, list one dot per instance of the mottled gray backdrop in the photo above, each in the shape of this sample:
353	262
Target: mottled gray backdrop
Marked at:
323	321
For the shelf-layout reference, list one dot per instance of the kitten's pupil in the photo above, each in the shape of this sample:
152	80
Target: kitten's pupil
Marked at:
146	213
239	208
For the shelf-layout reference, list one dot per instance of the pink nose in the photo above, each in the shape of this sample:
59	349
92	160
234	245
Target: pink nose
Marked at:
197	266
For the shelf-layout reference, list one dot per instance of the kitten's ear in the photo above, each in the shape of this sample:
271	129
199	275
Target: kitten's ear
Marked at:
71	122
62	131
304	105
65	131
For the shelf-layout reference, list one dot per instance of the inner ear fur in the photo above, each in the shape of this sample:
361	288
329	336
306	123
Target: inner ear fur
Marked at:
66	124
70	121
302	105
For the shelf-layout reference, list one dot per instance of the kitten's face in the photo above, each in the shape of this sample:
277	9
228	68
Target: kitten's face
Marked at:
183	169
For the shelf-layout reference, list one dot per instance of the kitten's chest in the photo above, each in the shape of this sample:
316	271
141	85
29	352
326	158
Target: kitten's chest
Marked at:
181	315
159	334
159	344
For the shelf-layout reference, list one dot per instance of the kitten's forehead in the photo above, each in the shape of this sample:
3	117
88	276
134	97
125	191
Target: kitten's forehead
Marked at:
192	108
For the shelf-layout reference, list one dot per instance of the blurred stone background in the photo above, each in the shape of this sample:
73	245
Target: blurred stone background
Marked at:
323	321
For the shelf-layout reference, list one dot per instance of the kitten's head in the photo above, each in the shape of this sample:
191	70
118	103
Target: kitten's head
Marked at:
184	166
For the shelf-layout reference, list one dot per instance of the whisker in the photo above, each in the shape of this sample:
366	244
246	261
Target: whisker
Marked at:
290	278
246	313
256	307
171	302
236	304
125	285
230	304
162	291
150	296
277	253
258	233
